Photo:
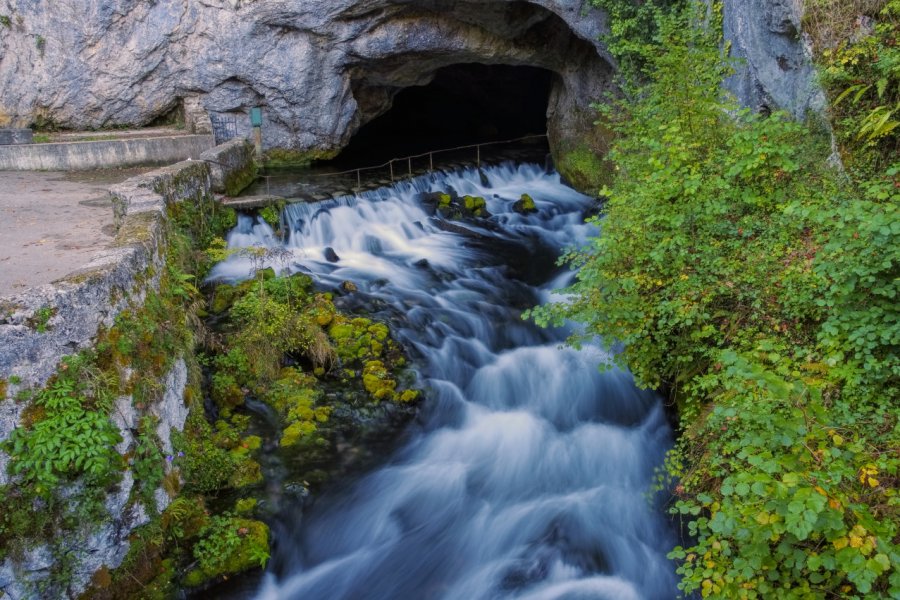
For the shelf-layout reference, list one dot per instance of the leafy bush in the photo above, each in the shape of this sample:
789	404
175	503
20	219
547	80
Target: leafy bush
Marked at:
758	287
860	66
74	437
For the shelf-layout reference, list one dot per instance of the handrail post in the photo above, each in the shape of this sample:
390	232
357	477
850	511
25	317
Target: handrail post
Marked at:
431	161
409	164
391	164
358	180
478	155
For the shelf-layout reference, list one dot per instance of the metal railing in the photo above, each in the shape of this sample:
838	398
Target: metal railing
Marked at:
408	159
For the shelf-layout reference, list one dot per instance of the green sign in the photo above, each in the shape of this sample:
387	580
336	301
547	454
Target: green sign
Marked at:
256	116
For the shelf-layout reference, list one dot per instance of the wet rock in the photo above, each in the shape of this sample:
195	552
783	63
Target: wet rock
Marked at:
348	286
524	205
454	228
331	255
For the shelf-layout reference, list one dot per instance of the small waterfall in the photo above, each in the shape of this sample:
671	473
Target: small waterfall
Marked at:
527	474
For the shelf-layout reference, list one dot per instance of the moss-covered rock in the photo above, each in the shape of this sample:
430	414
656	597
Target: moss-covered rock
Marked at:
229	545
584	170
277	158
524	205
450	206
377	381
238	179
475	206
271	214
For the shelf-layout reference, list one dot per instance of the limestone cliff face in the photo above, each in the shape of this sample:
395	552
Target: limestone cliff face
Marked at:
775	69
322	68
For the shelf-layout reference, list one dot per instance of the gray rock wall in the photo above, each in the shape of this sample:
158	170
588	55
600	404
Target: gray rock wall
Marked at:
775	70
322	68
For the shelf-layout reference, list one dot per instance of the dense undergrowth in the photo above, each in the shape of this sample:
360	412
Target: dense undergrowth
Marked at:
758	285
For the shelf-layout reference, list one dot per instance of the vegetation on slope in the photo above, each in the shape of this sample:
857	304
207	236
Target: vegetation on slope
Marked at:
758	285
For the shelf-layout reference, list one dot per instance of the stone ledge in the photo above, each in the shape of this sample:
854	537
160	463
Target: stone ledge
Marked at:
81	156
76	305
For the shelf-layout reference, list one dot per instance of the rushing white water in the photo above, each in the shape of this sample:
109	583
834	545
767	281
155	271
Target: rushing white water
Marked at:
528	475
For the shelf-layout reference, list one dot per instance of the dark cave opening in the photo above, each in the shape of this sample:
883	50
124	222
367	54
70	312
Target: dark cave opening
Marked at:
464	104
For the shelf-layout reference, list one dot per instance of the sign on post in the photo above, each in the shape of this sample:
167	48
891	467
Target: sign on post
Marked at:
256	116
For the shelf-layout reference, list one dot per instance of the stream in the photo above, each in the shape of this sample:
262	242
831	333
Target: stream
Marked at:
526	473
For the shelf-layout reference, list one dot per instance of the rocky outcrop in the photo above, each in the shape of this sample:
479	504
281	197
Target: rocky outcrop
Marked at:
775	70
323	68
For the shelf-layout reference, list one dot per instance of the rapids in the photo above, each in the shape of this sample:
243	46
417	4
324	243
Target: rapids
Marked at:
527	473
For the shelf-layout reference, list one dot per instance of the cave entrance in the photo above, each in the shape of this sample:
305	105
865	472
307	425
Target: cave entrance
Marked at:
463	104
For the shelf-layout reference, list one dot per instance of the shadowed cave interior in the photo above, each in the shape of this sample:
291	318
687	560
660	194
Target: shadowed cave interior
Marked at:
463	104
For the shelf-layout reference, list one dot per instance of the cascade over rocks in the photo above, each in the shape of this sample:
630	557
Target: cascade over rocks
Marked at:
324	68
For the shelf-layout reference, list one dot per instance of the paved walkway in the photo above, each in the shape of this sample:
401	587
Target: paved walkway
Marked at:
51	223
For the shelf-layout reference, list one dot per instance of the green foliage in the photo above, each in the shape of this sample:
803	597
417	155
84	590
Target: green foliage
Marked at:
41	319
634	37
212	458
760	289
73	438
786	497
147	461
229	545
199	223
273	317
271	215
65	437
861	73
5	21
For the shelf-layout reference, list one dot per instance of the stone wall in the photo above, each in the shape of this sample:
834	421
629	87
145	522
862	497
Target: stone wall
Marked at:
76	307
82	156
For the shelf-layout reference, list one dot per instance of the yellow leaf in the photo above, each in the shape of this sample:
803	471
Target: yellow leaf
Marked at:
873	482
839	543
855	541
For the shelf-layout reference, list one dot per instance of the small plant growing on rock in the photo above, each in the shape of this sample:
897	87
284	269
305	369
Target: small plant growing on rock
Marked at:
41	319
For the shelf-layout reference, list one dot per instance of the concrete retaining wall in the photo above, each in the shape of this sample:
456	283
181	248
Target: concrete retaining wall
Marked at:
82	156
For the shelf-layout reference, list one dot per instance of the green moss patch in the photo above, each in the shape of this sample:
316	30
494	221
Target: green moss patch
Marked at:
277	158
238	179
584	170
